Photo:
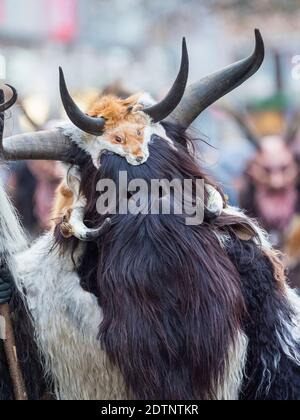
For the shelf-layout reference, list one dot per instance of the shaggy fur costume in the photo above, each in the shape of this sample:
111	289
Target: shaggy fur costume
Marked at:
156	296
158	309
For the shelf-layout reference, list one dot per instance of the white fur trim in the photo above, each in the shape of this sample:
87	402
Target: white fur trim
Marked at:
2	328
66	320
261	233
146	100
288	343
229	387
214	201
12	238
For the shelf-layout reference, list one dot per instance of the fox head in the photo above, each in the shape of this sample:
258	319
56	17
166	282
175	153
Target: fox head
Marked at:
127	130
124	126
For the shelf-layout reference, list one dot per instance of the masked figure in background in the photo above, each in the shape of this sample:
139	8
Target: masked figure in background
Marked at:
270	189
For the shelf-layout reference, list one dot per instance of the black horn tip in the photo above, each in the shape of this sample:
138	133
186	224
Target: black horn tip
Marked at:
5	106
259	51
94	126
164	108
184	47
185	55
258	35
14	91
61	73
62	80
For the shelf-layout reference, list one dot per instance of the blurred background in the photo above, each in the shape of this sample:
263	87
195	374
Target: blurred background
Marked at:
137	42
132	45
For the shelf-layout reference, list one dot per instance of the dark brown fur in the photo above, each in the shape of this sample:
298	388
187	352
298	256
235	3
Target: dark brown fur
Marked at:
170	296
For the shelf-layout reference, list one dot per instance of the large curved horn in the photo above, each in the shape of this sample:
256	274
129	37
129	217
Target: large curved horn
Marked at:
3	107
200	95
10	102
160	111
42	145
94	126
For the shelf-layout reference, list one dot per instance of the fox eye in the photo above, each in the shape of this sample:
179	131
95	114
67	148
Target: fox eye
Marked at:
118	139
139	133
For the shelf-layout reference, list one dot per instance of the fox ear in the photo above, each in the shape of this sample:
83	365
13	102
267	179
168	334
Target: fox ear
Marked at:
131	100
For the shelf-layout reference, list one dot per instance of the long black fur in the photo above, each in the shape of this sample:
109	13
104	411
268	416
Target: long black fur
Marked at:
173	299
169	294
270	374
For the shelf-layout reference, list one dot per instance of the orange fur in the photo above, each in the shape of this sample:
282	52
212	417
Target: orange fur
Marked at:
63	203
124	125
276	259
130	135
292	245
116	111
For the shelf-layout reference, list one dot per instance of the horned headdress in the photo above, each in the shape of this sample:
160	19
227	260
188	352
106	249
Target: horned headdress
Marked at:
181	106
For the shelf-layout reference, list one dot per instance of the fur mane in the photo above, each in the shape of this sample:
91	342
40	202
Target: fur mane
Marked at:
161	284
185	312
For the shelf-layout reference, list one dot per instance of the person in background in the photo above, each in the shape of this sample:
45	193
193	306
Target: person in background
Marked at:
270	185
31	187
222	150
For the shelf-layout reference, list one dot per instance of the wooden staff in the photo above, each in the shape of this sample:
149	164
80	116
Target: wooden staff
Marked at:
11	355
